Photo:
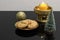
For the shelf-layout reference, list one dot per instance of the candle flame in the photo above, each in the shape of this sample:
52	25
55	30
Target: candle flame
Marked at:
43	4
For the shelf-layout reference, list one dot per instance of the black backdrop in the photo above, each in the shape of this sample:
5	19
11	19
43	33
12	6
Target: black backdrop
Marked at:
7	28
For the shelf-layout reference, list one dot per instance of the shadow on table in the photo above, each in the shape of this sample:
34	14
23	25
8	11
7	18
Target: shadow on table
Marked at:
39	31
26	33
49	36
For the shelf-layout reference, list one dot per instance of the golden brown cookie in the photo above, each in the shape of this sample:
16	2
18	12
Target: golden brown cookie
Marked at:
27	24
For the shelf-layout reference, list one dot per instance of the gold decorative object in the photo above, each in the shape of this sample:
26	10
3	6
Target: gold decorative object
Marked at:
21	15
43	10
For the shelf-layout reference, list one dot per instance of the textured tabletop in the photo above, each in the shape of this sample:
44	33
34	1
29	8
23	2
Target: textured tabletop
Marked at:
7	28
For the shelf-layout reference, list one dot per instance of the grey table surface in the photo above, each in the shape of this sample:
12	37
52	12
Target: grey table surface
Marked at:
7	28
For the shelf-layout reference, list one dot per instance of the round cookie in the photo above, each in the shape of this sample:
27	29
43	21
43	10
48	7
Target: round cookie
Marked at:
33	24
20	25
27	24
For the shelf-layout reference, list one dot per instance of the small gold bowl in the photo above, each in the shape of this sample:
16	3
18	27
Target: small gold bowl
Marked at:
42	15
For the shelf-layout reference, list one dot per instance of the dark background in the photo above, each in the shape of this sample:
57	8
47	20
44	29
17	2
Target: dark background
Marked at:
7	28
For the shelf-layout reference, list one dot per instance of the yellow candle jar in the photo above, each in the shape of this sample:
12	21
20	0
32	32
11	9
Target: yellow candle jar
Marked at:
43	10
